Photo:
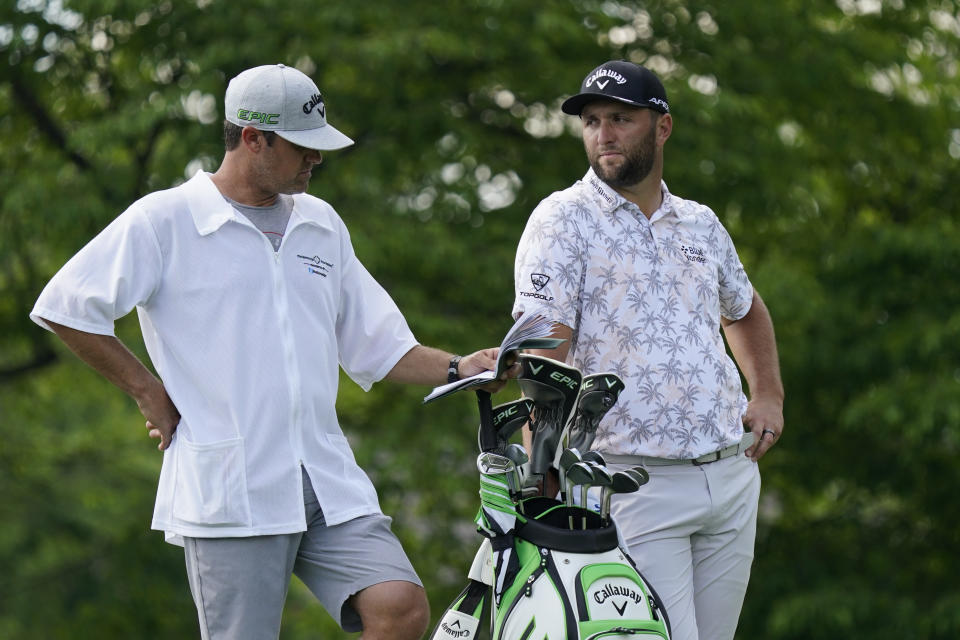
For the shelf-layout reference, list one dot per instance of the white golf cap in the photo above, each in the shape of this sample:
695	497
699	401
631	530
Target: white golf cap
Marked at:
278	98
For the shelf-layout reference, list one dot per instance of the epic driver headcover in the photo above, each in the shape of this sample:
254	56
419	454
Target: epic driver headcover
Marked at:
553	387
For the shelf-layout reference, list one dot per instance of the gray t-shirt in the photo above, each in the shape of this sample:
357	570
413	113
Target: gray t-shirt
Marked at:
271	220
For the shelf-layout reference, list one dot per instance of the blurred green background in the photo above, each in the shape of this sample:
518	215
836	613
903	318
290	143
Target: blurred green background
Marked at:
824	133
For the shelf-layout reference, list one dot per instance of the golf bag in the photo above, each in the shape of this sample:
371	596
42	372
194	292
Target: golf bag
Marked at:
544	581
546	570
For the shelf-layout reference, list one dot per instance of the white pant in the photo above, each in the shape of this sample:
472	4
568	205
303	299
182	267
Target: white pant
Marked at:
691	531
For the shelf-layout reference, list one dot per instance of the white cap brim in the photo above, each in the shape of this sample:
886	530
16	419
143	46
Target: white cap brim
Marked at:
325	138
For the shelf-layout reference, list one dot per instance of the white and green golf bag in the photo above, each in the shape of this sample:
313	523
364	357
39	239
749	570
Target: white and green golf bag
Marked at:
541	581
546	570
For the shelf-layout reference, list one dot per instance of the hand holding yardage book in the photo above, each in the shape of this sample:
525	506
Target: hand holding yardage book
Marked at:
528	332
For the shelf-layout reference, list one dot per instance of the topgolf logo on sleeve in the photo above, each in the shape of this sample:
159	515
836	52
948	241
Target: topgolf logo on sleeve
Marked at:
539	281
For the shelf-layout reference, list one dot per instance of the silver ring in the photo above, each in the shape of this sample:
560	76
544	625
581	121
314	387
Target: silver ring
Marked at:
770	431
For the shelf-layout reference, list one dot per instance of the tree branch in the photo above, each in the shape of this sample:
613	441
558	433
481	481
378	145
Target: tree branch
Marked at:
44	122
143	156
43	355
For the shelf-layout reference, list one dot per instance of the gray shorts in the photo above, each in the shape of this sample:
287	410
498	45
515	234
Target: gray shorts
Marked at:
240	584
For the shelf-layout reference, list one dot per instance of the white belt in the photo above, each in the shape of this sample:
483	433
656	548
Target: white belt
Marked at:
707	458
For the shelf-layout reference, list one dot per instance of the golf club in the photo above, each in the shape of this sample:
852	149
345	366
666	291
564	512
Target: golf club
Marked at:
640	473
579	473
601	478
567	458
518	455
622	482
594	456
492	464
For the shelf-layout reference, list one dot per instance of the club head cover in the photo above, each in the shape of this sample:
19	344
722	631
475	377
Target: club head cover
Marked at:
509	417
598	393
549	383
553	387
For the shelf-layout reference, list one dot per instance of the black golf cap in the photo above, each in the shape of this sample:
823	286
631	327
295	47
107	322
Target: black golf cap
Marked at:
622	81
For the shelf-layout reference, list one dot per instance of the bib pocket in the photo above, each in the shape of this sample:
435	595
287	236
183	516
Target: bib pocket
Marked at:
210	487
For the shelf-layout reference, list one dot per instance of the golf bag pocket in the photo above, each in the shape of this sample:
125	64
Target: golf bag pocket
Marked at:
614	602
562	595
461	621
536	605
482	568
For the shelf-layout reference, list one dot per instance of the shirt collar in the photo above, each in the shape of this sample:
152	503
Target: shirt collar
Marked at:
210	210
667	204
610	200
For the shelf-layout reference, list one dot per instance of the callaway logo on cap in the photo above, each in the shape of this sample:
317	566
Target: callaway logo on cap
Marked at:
278	98
622	81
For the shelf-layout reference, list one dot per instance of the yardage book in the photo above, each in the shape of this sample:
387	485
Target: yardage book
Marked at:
528	332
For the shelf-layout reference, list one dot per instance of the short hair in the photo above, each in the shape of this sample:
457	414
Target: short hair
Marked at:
232	134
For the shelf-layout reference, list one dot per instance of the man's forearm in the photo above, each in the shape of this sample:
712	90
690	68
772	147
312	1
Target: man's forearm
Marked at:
421	365
115	362
426	365
563	332
753	344
110	358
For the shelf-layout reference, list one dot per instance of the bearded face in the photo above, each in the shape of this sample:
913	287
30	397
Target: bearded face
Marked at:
634	164
620	141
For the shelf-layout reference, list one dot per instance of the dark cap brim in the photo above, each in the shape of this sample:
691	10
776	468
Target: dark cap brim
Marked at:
575	104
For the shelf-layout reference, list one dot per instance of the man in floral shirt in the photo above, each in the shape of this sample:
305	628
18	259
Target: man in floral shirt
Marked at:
641	282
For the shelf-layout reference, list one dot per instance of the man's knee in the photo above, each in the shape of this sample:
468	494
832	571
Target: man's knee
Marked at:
396	610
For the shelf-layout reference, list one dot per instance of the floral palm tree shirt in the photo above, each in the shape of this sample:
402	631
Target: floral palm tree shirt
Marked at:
644	300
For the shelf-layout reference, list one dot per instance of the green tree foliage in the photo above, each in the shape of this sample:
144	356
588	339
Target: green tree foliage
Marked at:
826	135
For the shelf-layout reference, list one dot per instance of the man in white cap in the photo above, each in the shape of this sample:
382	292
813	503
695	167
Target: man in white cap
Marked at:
641	282
249	296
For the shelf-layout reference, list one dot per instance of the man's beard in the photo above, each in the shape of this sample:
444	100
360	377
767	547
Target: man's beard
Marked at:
637	163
